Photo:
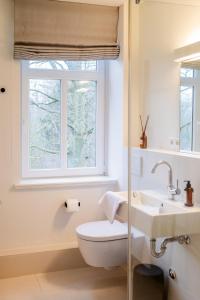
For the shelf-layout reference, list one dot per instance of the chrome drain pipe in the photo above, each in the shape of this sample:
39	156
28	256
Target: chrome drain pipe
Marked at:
181	239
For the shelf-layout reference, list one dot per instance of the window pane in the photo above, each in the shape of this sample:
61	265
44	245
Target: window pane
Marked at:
81	116
63	65
44	126
187	73
186	118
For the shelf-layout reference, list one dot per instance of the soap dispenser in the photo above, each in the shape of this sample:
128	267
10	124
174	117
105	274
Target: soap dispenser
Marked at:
188	194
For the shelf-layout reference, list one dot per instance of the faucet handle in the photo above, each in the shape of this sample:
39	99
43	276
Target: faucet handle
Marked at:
173	191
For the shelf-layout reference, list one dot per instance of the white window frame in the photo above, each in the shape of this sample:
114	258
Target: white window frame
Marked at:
64	76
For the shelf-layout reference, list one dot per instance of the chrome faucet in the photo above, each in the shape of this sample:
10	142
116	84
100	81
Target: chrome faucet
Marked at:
172	190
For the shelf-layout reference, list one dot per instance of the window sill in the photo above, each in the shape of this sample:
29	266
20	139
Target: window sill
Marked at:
57	183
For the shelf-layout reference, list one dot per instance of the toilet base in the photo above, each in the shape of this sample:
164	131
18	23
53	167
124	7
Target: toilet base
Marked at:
106	254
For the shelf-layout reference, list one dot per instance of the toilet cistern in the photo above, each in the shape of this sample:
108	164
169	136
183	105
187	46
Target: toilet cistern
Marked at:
172	190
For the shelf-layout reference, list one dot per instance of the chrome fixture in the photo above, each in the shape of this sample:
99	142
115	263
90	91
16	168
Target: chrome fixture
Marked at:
172	273
172	190
181	239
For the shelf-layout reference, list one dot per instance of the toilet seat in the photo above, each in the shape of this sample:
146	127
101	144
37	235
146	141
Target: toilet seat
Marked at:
101	231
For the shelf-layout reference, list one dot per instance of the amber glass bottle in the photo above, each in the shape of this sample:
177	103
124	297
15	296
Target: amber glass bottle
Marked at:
189	193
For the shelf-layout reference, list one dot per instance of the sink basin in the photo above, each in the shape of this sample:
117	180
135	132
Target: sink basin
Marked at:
156	216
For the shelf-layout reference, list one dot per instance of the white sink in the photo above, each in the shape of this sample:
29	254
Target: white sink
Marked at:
156	216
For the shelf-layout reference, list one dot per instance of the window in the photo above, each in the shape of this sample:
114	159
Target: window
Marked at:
62	118
189	109
186	117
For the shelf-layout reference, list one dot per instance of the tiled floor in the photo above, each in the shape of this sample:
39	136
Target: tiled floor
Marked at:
76	284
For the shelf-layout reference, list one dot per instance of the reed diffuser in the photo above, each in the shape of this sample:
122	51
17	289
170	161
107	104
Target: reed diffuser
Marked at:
143	137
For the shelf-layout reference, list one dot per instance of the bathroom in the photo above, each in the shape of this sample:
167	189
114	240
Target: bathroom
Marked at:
41	209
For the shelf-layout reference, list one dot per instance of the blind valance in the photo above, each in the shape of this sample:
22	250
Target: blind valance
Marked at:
50	29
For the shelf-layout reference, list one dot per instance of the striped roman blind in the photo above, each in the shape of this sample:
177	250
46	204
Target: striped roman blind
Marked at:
50	29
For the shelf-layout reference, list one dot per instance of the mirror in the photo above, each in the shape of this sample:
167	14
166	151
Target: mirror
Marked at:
189	109
189	57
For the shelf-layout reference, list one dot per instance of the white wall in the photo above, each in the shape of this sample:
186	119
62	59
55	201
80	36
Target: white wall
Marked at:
116	127
163	27
184	259
31	220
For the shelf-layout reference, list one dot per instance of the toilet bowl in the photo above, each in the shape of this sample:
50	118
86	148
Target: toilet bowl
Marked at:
103	244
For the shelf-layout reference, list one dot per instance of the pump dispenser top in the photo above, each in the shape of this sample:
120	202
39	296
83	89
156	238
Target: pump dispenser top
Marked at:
188	185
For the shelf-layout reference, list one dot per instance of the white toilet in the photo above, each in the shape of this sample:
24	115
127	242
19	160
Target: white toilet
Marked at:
103	244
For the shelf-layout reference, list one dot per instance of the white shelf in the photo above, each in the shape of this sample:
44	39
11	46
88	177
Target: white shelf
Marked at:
170	152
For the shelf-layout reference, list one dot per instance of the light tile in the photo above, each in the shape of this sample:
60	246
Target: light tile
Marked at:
82	279
75	284
19	287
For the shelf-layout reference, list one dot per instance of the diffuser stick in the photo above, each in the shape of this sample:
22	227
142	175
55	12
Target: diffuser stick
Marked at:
146	124
141	123
143	137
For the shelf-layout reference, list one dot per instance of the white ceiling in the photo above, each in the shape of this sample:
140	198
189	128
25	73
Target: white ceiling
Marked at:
181	2
120	2
99	2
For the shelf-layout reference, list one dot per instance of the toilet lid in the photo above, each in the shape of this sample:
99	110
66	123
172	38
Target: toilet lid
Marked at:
102	231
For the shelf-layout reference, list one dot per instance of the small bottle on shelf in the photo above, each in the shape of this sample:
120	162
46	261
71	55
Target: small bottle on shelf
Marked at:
188	194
